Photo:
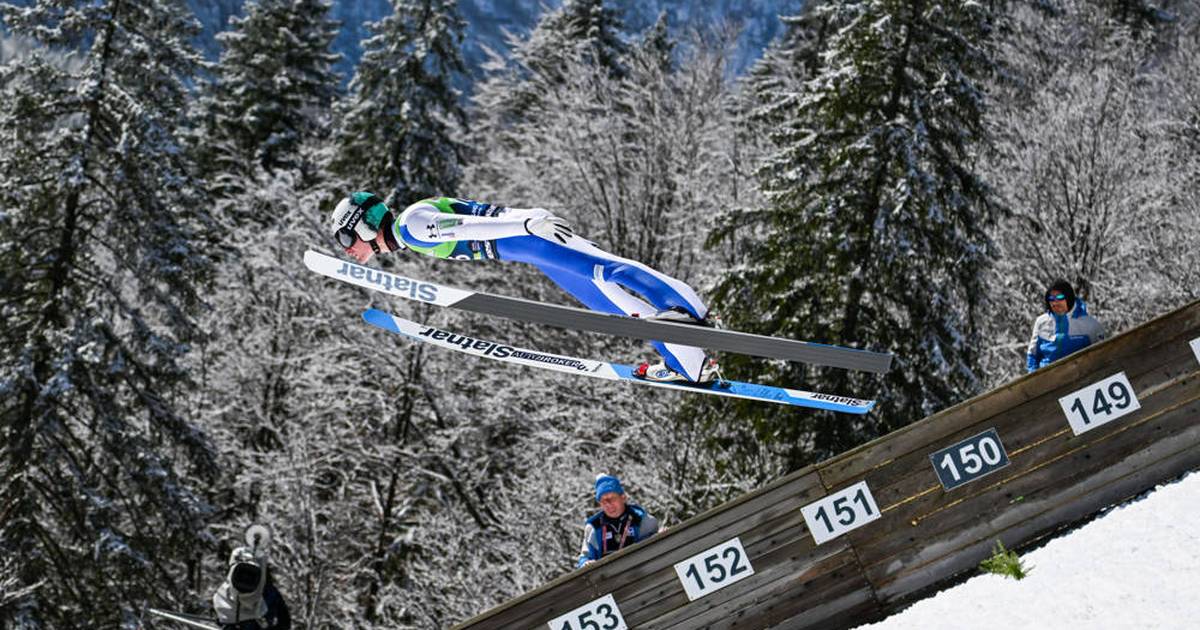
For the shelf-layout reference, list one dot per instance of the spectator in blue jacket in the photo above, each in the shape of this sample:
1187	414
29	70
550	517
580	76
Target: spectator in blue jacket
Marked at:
617	525
1064	328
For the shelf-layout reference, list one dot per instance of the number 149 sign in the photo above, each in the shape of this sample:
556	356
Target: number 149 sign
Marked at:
1099	403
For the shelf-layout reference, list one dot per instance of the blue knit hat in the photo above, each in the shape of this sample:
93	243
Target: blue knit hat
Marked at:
607	483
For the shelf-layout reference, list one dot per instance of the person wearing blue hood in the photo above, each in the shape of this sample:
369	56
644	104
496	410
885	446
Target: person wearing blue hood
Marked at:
1064	328
617	525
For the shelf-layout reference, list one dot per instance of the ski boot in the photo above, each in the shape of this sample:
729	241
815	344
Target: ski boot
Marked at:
660	373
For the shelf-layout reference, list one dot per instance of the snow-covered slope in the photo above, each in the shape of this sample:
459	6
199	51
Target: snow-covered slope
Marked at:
1136	566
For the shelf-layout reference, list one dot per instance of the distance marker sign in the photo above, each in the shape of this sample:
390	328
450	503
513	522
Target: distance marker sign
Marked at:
713	569
599	614
840	512
1099	403
969	460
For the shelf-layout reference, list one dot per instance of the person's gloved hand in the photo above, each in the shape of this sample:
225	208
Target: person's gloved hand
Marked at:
550	228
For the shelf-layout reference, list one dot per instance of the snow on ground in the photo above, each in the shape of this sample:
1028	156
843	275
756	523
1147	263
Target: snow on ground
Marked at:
1137	566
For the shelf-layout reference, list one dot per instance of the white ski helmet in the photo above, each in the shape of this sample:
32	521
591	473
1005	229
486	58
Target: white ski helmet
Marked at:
357	217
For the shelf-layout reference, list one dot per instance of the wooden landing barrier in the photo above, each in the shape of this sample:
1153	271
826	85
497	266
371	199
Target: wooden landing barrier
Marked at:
890	529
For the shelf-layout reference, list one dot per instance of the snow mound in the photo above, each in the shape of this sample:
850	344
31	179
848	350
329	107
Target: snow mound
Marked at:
1136	566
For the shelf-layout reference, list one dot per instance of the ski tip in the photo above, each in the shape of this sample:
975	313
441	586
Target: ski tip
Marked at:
865	409
315	258
380	319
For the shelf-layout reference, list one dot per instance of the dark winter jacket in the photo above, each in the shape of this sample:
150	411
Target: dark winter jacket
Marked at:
1056	336
603	535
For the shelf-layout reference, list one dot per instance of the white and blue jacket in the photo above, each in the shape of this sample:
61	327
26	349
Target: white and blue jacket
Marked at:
1056	336
603	535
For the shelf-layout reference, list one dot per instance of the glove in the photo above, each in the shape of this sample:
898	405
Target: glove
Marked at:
550	228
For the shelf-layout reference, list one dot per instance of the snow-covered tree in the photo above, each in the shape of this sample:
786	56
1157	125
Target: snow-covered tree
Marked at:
399	131
274	87
1093	159
106	245
580	31
791	60
875	230
634	162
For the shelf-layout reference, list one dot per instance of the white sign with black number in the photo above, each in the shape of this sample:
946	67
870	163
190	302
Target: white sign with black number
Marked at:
840	512
599	614
1099	403
713	569
1196	348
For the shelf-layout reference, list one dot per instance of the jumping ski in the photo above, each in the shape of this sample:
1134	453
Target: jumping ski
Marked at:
594	321
191	621
604	370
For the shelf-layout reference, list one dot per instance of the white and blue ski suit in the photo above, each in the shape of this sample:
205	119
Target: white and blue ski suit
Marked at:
1056	336
461	229
603	535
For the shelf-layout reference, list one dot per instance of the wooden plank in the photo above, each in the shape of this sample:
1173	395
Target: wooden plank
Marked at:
653	556
1107	488
919	493
1173	431
777	593
909	485
1062	376
846	611
1014	425
799	560
664	590
1060	462
1038	483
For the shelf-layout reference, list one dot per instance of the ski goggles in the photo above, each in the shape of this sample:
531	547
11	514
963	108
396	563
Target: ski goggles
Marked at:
1055	297
347	235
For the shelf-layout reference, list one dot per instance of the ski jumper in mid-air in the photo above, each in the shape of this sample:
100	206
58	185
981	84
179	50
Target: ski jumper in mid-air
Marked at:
461	229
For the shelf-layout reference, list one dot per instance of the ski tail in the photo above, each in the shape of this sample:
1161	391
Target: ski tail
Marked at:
190	621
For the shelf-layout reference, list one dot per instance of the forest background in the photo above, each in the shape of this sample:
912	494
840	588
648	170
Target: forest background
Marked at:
900	175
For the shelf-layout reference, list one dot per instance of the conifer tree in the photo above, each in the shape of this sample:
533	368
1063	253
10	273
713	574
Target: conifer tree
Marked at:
275	85
656	46
105	246
579	31
398	129
584	29
875	230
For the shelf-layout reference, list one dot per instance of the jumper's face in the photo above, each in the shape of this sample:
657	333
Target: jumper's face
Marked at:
1058	303
361	251
613	504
